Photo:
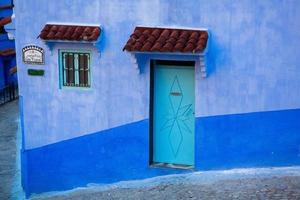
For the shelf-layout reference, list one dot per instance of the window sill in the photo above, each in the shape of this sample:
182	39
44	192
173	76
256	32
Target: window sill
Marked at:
70	88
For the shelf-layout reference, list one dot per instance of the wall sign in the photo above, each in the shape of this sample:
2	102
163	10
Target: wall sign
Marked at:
33	55
35	72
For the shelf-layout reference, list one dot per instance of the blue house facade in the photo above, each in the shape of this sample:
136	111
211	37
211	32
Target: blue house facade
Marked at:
7	45
123	90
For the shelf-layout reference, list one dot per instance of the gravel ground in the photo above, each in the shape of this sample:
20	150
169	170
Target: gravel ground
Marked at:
261	183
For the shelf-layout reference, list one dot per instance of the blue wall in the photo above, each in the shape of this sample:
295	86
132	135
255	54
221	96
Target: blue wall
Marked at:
2	79
5	12
6	63
122	153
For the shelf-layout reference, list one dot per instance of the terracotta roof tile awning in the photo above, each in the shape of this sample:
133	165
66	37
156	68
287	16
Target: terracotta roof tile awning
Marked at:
7	52
4	7
5	20
70	32
147	39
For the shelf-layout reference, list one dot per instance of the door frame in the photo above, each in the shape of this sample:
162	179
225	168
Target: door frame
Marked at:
153	63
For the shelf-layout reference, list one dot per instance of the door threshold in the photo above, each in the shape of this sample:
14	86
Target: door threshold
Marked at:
173	166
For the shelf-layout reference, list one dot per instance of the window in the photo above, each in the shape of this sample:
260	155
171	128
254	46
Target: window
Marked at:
75	69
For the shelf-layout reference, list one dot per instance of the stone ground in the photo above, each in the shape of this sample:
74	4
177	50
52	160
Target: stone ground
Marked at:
10	187
261	183
223	185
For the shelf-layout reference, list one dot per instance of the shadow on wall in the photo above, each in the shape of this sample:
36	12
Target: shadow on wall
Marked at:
216	53
143	61
101	42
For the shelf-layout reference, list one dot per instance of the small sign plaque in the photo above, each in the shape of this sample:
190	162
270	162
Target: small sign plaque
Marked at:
35	72
33	55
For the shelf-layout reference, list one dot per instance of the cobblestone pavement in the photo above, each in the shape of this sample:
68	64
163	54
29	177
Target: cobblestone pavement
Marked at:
10	187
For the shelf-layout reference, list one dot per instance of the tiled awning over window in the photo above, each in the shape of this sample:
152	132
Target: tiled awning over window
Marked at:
147	39
5	20
5	7
7	52
70	32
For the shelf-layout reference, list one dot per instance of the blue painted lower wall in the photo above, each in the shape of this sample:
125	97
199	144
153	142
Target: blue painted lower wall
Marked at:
122	153
248	140
105	157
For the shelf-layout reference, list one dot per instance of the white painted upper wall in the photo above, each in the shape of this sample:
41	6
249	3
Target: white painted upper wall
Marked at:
253	62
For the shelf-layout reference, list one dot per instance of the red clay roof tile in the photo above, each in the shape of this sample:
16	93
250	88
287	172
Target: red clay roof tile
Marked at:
167	47
146	46
70	32
194	35
172	40
157	46
179	47
147	39
5	20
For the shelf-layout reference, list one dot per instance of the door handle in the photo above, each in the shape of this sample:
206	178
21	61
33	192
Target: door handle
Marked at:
175	93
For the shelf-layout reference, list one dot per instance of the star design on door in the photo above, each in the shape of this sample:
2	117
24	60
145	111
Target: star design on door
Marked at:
177	118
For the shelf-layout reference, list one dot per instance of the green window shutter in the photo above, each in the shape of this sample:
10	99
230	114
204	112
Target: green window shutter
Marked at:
81	70
76	70
71	78
86	70
64	69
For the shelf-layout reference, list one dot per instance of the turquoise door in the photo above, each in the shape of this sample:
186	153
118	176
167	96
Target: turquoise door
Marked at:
173	114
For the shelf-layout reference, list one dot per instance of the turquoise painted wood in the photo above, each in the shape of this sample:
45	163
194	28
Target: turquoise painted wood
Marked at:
174	118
